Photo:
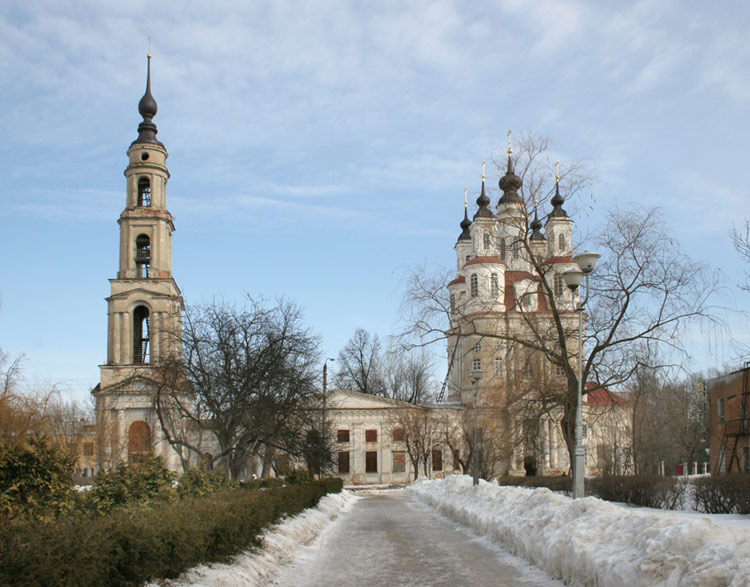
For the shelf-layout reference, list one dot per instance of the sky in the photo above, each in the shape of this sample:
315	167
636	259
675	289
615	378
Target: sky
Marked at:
320	149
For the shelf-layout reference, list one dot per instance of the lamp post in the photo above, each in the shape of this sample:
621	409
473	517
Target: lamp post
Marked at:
474	378
325	395
573	277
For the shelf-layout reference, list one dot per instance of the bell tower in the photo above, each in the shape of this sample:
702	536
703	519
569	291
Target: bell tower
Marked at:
144	307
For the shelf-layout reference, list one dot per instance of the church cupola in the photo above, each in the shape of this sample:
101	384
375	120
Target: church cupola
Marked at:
483	202
147	108
510	183
465	223
536	227
558	226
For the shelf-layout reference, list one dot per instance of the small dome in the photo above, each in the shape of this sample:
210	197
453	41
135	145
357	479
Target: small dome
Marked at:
147	108
557	201
510	183
536	229
483	202
465	224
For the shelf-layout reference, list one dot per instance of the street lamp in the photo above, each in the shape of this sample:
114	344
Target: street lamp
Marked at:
573	277
474	378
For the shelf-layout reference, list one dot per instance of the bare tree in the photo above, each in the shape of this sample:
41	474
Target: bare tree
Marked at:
741	242
408	376
644	294
359	365
247	378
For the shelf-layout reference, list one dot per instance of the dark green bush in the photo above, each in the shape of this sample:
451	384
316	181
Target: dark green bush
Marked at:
35	478
197	483
263	483
557	483
667	493
135	543
723	494
129	483
299	476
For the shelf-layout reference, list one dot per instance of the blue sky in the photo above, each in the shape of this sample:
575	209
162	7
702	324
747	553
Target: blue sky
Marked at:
318	148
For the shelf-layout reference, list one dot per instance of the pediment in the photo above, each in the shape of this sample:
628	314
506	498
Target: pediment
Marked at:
354	400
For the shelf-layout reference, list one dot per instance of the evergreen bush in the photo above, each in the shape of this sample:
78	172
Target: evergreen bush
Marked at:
127	483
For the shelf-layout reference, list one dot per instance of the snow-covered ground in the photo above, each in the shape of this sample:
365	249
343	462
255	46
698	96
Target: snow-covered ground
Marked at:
593	542
281	543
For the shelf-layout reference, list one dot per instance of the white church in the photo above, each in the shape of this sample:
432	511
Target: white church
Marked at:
493	298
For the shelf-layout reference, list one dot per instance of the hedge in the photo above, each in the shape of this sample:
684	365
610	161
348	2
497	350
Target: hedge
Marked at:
138	543
723	494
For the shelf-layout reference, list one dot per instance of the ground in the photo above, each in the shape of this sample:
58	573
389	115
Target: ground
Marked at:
391	539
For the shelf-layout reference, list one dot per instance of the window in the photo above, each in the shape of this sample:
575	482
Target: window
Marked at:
371	435
486	241
142	255
474	285
437	459
399	461
453	302
342	435
502	249
559	371
497	345
139	441
476	365
141	351
499	366
144	192
477	347
343	461
398	435
468	258
516	249
527	370
88	449
558	285
561	241
721	411
371	461
527	301
494	286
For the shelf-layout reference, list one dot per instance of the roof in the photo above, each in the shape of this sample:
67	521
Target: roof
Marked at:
459	279
553	260
603	398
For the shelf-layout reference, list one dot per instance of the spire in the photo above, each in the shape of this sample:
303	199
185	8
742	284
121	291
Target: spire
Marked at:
510	183
536	225
483	201
557	200
465	223
147	108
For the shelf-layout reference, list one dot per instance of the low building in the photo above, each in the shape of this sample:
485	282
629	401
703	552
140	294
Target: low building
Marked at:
728	401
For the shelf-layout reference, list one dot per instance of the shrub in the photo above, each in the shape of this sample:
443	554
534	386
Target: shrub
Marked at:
299	476
35	478
135	543
640	490
266	483
128	483
558	483
723	494
196	482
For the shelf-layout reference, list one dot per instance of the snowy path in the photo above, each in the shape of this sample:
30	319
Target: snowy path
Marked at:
390	539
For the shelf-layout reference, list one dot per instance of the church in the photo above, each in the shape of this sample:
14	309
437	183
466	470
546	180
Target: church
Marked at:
508	281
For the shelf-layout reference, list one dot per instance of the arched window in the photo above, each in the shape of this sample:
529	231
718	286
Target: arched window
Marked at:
468	258
502	249
453	302
474	285
516	249
486	240
494	286
144	192
561	241
141	350
558	285
139	441
143	254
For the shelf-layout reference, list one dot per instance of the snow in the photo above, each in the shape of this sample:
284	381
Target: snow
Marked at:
280	545
592	542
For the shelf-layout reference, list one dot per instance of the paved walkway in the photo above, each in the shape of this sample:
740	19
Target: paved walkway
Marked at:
389	540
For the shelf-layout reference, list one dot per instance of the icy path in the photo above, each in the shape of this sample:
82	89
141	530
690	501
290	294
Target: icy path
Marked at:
389	539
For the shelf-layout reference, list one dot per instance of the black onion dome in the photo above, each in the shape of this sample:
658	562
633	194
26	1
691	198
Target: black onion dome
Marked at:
483	202
147	108
510	183
557	201
536	228
465	224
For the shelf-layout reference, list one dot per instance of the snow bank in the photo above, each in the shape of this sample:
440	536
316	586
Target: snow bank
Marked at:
280	544
592	542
